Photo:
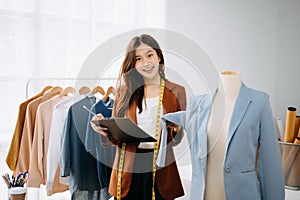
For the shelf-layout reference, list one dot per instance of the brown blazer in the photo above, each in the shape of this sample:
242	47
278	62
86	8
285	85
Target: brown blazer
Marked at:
168	179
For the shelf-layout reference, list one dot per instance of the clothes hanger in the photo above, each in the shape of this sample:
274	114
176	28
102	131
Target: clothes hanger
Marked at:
53	91
84	90
46	88
98	89
110	90
66	91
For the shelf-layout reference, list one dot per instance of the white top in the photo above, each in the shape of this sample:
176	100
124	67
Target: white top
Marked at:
146	120
60	113
217	130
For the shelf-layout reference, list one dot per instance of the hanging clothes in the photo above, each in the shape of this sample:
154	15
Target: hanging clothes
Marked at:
76	162
38	155
13	152
28	132
60	112
93	144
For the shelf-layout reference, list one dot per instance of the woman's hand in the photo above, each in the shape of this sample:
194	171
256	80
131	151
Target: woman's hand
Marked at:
175	127
96	128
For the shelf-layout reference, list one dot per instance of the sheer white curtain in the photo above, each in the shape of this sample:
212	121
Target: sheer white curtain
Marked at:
42	38
52	38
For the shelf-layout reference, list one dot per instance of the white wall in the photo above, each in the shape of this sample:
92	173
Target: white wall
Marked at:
258	38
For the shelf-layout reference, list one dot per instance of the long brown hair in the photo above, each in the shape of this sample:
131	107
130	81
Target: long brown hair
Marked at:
131	83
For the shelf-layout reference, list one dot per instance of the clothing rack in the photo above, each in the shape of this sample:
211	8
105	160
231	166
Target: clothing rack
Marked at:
35	85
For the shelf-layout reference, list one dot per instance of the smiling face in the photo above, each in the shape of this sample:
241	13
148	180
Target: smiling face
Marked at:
147	63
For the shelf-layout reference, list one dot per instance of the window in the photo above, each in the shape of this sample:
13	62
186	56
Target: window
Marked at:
41	38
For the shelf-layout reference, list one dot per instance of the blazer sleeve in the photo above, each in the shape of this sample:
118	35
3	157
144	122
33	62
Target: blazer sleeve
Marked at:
180	93
269	159
92	137
65	155
36	176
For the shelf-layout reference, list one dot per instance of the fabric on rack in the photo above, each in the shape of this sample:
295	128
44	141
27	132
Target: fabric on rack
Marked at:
76	162
13	152
38	154
59	115
105	155
28	132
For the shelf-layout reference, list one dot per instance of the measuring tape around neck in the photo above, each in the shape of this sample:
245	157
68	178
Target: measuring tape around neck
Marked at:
157	136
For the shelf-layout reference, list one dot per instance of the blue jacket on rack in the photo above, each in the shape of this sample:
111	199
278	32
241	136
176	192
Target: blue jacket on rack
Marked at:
75	161
105	154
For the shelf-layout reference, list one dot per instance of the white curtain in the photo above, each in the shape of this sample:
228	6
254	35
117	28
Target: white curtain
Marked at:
42	38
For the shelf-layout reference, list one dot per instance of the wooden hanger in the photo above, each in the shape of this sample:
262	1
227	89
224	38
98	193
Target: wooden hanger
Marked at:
98	89
110	90
84	90
46	88
53	91
66	91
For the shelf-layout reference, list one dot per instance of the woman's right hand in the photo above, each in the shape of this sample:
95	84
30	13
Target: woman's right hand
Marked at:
96	128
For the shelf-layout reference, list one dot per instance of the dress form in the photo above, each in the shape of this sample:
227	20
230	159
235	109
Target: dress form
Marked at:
217	130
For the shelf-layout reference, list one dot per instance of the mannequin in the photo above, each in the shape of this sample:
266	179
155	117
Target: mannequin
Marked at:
234	150
217	129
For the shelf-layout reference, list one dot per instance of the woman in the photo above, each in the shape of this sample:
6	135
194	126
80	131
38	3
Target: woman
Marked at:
144	95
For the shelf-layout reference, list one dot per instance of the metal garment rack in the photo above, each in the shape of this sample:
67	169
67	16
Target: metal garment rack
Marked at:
36	84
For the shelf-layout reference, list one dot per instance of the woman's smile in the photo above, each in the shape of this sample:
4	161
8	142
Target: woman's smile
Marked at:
148	68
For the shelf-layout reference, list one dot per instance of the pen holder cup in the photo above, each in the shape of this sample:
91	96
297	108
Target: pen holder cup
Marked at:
290	156
17	193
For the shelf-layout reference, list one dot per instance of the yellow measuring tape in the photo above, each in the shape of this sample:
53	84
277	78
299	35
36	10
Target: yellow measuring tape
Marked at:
157	131
121	163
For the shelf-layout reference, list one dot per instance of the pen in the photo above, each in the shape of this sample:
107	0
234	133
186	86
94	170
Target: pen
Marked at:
89	110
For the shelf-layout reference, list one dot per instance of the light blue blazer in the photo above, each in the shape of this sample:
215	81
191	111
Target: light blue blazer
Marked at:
251	126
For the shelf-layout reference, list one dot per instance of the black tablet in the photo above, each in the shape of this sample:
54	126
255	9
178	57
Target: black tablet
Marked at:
124	130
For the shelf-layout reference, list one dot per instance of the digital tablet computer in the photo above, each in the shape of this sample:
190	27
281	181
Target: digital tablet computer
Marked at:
124	130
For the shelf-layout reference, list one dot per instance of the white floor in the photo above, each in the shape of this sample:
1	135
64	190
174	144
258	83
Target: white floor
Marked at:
40	194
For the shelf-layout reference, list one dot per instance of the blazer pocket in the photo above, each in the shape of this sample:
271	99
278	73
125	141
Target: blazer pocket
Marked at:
248	171
253	184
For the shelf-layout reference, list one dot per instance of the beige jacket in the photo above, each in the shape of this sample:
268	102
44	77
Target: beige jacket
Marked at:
39	150
28	131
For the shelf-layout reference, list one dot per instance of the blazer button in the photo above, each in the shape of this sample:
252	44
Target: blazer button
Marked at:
227	169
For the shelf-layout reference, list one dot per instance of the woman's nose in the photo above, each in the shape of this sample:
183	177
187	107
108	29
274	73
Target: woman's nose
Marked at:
147	61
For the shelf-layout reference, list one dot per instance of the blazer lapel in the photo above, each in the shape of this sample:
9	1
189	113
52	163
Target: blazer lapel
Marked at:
241	106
